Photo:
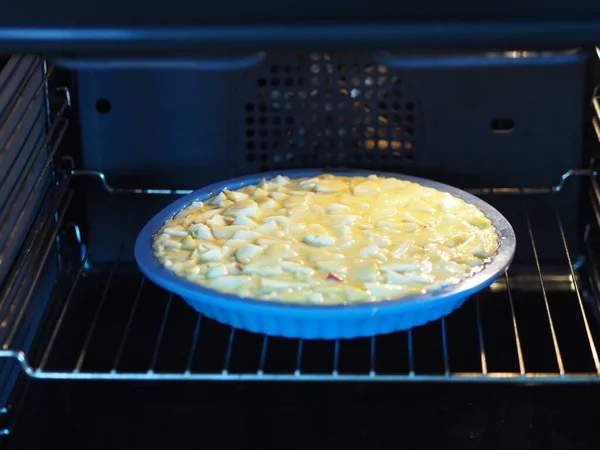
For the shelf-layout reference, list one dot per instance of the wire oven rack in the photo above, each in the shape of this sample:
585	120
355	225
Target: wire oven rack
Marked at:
539	325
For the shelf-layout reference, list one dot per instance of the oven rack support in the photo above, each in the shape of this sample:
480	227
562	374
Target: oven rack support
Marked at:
509	294
34	197
100	176
596	107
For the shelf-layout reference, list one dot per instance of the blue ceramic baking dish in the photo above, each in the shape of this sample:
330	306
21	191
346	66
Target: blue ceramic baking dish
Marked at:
314	321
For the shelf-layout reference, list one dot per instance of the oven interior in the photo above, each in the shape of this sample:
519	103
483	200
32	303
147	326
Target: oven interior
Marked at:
95	355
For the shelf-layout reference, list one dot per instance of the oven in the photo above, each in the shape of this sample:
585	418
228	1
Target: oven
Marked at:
106	119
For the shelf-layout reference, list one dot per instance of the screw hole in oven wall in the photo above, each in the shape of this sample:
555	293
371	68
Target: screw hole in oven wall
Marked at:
502	126
103	106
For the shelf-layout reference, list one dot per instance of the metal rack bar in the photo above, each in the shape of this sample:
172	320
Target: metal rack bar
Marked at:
411	358
192	353
90	333
27	109
13	71
7	292
593	274
586	324
263	355
484	369
40	177
4	306
456	377
515	326
61	317
596	107
595	197
23	86
117	190
26	165
41	260
372	355
336	357
161	333
596	125
596	103
595	191
136	301
46	69
445	348
559	360
229	351
98	311
528	190
297	372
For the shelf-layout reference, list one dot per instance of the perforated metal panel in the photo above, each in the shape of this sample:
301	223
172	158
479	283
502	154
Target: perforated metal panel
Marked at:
327	110
465	124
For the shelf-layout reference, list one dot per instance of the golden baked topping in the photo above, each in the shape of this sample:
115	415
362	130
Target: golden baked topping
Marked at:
327	240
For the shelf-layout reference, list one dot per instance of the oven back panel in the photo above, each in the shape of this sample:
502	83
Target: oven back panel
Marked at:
474	123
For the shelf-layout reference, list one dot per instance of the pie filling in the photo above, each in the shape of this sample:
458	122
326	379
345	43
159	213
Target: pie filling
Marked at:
327	240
